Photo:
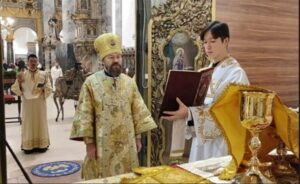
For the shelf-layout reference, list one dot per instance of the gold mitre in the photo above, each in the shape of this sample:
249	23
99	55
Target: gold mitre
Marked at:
107	43
226	113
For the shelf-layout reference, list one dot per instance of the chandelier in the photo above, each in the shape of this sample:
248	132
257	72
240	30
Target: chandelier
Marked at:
6	26
7	23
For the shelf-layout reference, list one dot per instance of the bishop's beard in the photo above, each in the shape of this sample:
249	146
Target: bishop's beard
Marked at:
115	69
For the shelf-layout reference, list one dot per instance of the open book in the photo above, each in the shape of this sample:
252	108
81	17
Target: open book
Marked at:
190	86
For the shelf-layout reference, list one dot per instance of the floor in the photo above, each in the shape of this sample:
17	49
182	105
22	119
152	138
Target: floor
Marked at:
61	147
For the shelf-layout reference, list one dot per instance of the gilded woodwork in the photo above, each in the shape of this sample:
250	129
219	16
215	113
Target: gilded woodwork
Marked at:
59	24
10	36
87	29
58	4
89	24
35	15
188	16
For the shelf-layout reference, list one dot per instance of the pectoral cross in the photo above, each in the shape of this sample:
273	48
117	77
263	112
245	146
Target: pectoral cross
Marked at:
114	83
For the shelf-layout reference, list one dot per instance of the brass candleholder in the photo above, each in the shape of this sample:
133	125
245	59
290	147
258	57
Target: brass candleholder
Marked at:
256	115
281	165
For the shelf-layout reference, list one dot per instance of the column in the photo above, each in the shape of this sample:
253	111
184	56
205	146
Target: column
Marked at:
49	50
48	12
69	28
41	52
118	17
10	50
128	24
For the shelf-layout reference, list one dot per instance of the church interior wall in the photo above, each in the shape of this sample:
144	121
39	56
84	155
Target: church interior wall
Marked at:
117	17
68	29
265	40
128	23
48	11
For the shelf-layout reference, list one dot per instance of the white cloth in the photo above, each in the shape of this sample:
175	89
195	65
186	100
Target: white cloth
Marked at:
178	137
29	85
34	129
208	141
55	73
209	168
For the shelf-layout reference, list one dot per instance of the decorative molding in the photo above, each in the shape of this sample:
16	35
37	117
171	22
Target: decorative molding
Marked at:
88	21
10	36
35	15
26	4
25	22
190	17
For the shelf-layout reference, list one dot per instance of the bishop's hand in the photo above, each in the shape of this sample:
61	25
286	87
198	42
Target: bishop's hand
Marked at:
181	113
91	150
20	77
138	144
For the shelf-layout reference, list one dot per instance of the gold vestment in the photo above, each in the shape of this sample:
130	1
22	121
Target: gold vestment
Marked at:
110	113
164	174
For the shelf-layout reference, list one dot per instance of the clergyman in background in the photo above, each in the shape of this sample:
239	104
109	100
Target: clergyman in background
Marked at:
56	72
34	87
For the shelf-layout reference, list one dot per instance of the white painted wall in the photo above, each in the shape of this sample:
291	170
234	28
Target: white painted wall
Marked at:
4	34
69	29
128	23
48	12
123	24
21	37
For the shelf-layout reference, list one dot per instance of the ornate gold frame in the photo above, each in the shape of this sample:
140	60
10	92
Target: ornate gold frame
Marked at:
189	16
172	33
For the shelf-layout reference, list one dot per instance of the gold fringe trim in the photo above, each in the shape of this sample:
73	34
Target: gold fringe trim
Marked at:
229	172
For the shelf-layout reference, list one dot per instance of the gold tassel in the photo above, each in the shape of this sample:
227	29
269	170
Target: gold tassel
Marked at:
229	172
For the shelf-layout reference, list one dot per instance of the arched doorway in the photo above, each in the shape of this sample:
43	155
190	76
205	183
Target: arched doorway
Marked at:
25	42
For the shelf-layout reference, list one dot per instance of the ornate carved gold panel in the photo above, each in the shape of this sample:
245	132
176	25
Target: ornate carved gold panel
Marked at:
173	26
23	13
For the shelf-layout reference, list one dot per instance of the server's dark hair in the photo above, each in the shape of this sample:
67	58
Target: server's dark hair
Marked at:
217	29
31	56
